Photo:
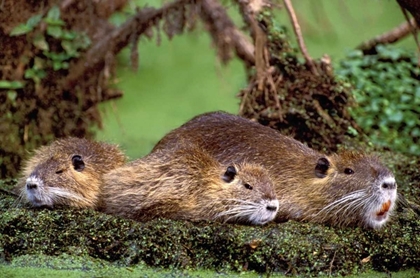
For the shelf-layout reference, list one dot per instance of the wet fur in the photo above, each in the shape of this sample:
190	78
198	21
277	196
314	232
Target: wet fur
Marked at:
302	194
187	184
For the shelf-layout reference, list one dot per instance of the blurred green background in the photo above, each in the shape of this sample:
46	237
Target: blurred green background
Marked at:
183	77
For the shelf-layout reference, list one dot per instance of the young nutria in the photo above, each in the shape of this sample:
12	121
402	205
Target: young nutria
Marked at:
342	189
189	184
68	172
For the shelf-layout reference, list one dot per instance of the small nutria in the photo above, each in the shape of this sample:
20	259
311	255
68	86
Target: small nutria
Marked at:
189	184
342	189
68	172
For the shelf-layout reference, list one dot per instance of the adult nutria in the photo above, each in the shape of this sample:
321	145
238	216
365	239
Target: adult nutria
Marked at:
191	185
68	172
341	189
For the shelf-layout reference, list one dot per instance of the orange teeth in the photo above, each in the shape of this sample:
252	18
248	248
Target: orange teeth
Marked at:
384	209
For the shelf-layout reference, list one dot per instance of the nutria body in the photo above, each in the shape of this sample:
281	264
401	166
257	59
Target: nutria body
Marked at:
68	172
189	184
342	189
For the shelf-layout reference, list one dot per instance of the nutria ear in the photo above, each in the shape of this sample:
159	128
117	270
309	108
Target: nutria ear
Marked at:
78	163
229	174
321	167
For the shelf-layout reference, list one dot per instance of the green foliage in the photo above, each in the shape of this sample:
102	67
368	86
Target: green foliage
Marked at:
387	89
27	27
4	84
71	43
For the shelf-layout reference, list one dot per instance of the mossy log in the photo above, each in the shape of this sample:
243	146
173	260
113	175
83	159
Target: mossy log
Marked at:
288	248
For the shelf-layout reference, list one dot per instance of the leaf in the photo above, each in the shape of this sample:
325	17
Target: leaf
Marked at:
5	84
40	42
35	74
396	117
57	65
12	95
27	27
34	20
53	17
69	35
39	63
55	31
54	13
54	22
417	94
69	47
20	30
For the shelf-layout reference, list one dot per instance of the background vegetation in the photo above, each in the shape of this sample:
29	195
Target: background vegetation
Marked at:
387	89
182	77
178	80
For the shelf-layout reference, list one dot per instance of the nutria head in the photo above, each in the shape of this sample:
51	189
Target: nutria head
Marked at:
68	172
358	189
249	195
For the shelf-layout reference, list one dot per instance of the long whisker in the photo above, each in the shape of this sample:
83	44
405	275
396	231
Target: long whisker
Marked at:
20	198
241	201
61	193
342	200
343	204
237	210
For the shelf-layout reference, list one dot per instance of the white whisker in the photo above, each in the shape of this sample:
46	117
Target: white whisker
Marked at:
249	212
62	193
342	205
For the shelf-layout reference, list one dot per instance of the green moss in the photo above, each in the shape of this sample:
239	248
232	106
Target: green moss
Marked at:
89	240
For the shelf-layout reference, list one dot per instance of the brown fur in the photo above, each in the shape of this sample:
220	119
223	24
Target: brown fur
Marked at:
306	182
186	184
55	178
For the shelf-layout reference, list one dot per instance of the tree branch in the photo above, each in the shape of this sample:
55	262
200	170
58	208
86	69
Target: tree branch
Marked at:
225	34
118	39
391	36
298	33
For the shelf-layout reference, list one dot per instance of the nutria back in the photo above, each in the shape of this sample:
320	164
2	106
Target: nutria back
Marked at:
342	189
68	172
190	184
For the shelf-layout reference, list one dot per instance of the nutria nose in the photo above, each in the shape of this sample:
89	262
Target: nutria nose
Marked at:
31	185
272	208
388	185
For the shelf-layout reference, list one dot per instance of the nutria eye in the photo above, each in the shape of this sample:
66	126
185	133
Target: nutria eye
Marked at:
247	186
78	163
59	171
348	171
230	174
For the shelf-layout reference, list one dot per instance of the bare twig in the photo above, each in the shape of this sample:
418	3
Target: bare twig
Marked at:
249	9
414	12
332	263
298	33
224	32
392	36
323	114
118	39
260	64
244	11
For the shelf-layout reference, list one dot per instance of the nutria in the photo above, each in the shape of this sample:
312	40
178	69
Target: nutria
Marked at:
68	172
189	184
343	189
